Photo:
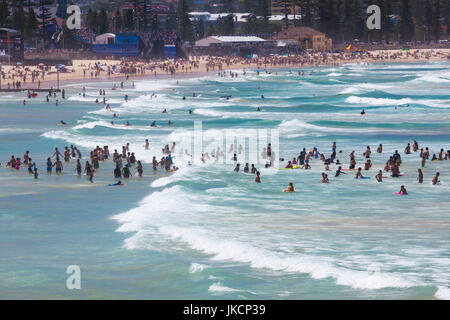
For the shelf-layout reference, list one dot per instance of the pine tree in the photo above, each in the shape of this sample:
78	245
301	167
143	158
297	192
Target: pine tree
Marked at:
94	22
447	9
144	16
337	22
67	37
4	13
428	19
228	25
331	19
171	19
349	20
154	23
324	16
307	12
200	29
436	21
388	28
102	21
358	32
127	19
406	27
185	23
30	24
44	15
18	18
61	11
227	6
118	22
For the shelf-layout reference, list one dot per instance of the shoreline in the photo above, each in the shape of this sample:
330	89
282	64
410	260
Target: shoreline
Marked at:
159	73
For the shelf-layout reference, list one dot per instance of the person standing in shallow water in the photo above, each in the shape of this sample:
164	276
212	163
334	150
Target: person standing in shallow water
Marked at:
78	167
420	176
258	177
140	169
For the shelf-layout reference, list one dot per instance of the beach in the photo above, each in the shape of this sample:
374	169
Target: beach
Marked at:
207	232
83	71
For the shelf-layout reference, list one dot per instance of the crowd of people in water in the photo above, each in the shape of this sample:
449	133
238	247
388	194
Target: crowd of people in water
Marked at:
391	167
125	162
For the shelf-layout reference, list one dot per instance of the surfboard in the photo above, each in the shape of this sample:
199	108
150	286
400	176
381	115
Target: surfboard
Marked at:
293	168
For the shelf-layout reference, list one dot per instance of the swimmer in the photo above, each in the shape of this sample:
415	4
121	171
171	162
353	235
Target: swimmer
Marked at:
358	174
49	165
380	148
236	169
420	176
408	149
379	176
339	172
435	180
257	177
78	167
62	122
164	111
363	112
147	144
140	169
324	177
290	188
190	111
403	190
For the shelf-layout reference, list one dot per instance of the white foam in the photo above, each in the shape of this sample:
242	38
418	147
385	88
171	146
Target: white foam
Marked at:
174	221
378	101
364	88
93	124
433	78
396	102
219	288
197	267
443	293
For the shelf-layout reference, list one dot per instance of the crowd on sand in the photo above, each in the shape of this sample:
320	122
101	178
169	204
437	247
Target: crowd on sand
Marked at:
32	77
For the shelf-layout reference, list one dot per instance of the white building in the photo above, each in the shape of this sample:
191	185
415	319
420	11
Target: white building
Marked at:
229	41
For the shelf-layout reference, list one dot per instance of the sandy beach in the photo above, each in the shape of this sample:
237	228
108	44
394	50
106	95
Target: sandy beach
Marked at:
82	71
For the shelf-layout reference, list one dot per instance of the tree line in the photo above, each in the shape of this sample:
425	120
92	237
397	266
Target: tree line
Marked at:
342	20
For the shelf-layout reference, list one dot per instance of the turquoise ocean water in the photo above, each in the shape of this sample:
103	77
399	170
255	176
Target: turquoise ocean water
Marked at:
206	232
